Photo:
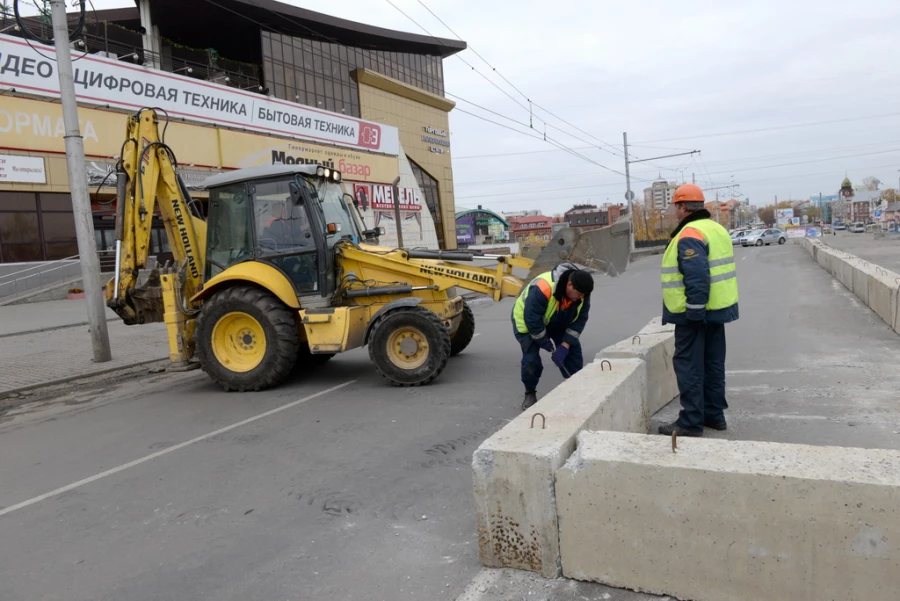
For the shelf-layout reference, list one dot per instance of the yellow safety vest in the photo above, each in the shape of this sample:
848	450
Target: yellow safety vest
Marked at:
552	304
723	288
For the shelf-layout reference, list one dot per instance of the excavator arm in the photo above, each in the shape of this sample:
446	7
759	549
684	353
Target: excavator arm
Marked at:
146	180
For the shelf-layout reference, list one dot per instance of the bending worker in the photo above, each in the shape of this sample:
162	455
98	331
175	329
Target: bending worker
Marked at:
700	295
553	308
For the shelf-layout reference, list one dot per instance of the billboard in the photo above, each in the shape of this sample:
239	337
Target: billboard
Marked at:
465	229
111	83
783	216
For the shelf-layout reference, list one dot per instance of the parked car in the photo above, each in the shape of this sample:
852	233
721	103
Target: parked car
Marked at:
767	237
840	226
858	227
736	236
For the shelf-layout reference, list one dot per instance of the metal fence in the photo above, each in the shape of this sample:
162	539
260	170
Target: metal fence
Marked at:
44	275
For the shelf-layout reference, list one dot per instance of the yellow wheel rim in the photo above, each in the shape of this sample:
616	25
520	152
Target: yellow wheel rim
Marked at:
407	348
238	342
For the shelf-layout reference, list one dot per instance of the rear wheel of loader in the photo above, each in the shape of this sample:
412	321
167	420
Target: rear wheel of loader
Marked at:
464	332
409	347
246	339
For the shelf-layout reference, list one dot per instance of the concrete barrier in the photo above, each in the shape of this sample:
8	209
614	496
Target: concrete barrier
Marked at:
731	520
875	286
515	469
656	351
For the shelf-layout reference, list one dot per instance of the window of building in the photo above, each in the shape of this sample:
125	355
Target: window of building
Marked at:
36	227
429	187
318	73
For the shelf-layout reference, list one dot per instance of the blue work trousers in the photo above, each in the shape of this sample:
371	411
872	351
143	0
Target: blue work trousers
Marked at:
699	364
533	367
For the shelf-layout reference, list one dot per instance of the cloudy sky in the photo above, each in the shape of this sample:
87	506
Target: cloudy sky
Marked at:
782	97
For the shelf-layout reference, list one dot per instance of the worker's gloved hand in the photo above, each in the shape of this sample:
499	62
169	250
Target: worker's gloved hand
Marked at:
559	356
545	343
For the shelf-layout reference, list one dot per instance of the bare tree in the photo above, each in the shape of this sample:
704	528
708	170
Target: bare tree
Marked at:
871	183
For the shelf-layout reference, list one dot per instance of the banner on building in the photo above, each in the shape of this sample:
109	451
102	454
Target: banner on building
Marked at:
106	82
465	229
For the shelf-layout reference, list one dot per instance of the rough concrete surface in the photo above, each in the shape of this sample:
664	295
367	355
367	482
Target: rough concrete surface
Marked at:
807	361
656	351
514	470
780	522
515	585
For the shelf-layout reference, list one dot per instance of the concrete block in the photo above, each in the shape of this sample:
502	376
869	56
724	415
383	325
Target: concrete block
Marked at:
656	351
846	273
731	520
882	295
655	326
860	278
515	469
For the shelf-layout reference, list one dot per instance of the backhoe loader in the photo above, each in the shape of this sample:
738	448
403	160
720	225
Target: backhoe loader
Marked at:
282	273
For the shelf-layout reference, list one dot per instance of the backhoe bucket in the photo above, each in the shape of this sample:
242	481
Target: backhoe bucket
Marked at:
606	250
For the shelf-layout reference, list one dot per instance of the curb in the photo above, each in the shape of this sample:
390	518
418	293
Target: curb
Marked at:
6	394
54	328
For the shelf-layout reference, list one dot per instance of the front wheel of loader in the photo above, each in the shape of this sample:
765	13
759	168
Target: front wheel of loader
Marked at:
409	347
246	339
464	332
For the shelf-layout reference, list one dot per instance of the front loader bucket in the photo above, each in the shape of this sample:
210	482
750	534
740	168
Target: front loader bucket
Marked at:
607	249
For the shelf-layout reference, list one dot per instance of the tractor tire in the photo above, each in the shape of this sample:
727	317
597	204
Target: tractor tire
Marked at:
409	346
247	339
464	333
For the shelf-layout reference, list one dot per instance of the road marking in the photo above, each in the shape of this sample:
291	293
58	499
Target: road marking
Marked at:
734	372
172	449
476	335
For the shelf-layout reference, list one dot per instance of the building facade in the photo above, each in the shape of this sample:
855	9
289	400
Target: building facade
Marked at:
659	195
531	228
270	83
591	217
480	226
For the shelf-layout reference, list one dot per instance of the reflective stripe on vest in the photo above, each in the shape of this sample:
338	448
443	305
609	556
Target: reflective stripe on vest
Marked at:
723	289
552	305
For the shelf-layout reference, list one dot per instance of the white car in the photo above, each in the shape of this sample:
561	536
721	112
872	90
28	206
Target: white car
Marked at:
858	227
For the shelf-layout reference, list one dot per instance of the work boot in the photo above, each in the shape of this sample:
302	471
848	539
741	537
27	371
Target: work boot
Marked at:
530	399
720	426
667	429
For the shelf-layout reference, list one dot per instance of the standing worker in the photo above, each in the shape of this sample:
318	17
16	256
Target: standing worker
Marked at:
700	295
553	308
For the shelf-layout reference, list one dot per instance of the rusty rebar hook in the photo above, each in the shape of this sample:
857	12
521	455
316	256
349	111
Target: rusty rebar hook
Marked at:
638	339
543	420
607	362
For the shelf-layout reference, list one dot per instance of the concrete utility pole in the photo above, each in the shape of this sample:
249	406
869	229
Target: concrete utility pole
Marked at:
629	195
81	200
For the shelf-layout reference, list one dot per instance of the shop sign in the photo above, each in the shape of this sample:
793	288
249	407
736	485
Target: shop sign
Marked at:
107	82
22	169
381	197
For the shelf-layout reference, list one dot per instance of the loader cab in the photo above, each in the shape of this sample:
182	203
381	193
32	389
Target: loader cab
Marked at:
289	216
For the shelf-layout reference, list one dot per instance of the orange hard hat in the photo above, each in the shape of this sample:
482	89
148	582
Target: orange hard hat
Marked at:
688	193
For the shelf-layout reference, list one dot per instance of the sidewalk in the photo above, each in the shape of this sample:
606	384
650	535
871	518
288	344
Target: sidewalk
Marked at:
48	343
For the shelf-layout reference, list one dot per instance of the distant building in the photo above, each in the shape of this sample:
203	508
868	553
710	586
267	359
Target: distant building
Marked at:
511	214
659	195
539	226
480	226
591	217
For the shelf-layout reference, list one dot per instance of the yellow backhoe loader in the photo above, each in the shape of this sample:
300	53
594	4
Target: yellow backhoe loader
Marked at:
282	272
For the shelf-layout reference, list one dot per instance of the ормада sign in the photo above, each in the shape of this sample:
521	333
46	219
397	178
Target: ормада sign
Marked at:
105	82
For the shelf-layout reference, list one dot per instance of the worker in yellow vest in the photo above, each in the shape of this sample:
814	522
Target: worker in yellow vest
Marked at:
700	295
553	308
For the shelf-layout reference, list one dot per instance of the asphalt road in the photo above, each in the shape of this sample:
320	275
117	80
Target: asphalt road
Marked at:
360	493
180	491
